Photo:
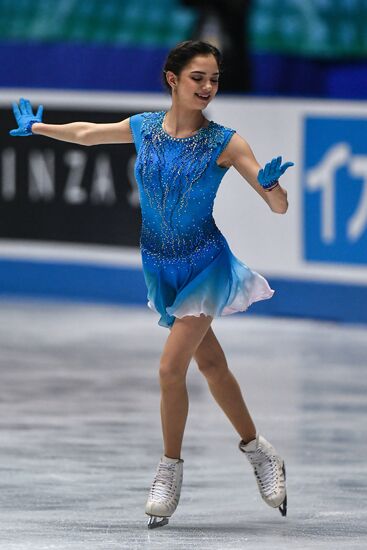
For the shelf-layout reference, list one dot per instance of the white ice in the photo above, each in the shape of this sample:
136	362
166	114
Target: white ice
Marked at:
80	434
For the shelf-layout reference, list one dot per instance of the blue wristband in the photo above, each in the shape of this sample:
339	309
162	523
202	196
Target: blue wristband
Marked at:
270	184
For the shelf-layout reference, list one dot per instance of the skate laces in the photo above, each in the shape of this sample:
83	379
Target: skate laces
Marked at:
163	484
266	470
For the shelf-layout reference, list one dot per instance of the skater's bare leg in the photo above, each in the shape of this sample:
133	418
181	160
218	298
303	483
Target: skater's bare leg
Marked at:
184	338
223	385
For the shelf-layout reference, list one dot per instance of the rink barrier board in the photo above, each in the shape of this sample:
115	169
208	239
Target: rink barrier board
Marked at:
117	285
316	256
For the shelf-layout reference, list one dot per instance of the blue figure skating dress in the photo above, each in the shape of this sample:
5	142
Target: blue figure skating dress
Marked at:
188	266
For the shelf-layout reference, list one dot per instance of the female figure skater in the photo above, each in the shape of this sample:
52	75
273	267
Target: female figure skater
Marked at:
191	274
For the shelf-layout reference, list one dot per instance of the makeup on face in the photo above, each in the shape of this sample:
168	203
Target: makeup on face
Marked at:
203	97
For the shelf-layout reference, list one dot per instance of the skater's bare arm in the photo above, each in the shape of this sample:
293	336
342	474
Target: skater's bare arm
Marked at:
82	133
240	156
86	133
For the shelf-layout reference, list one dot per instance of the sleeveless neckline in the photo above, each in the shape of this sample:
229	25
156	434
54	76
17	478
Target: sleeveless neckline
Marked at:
189	138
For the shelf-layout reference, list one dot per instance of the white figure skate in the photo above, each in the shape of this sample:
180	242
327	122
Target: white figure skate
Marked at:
165	491
269	470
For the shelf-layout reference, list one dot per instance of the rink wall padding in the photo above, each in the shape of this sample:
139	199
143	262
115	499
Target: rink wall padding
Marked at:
70	281
126	286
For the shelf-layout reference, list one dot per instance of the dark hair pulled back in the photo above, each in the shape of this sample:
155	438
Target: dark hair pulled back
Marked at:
183	53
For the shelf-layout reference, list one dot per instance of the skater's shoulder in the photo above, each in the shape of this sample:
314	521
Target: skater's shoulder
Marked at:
151	115
220	133
146	115
221	127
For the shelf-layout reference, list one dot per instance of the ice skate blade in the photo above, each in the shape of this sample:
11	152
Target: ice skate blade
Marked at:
283	506
156	521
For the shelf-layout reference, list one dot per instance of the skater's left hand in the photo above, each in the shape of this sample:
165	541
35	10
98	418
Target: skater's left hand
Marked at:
25	117
269	175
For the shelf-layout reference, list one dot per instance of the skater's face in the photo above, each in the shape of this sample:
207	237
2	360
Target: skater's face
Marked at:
197	83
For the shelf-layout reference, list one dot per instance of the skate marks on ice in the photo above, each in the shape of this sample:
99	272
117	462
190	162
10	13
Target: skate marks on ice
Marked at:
80	433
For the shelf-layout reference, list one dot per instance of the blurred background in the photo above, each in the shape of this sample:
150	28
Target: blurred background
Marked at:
294	83
278	47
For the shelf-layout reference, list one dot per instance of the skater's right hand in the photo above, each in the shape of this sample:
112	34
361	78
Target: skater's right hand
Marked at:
25	117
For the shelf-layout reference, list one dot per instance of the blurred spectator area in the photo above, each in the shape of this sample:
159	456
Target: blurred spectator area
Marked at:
297	47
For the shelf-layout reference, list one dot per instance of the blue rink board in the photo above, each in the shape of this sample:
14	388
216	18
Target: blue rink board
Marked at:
121	285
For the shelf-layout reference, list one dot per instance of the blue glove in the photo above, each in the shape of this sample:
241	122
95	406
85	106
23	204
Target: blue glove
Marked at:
268	176
25	117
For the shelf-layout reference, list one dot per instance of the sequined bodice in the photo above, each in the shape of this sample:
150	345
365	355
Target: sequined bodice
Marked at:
178	179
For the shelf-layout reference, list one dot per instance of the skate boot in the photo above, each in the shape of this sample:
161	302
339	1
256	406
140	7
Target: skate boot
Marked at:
165	491
269	470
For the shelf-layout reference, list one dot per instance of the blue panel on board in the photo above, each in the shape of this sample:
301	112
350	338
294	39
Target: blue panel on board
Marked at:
123	285
335	190
81	282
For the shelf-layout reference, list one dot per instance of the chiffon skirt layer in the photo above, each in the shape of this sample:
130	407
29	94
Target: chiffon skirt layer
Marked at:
219	284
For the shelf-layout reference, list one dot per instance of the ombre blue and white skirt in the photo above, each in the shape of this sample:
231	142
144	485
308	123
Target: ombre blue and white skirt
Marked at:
214	283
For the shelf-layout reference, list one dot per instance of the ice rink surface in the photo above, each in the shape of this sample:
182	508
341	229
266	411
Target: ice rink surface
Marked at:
81	436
